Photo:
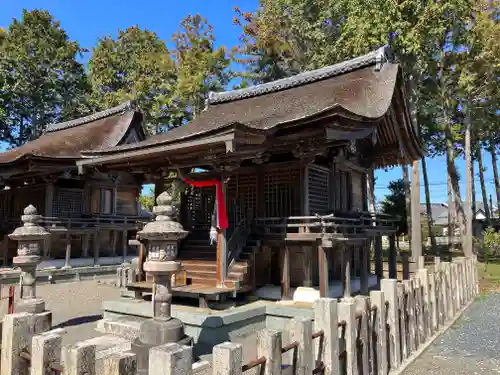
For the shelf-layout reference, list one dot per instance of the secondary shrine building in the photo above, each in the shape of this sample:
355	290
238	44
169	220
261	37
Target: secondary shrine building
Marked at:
90	217
293	156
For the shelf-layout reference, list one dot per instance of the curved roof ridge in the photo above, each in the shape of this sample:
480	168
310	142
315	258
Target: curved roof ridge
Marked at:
92	117
376	57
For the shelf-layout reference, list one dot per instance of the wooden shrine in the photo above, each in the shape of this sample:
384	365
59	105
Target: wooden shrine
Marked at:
89	216
293	156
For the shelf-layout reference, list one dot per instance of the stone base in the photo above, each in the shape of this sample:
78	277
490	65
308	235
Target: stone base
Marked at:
141	350
156	332
305	294
33	306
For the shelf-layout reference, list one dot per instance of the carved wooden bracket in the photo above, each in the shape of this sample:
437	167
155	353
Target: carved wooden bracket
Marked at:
261	158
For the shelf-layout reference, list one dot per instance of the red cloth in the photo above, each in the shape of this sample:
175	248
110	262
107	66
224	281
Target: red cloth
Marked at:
219	196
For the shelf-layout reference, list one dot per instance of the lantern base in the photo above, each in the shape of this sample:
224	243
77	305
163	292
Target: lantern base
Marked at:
159	332
30	305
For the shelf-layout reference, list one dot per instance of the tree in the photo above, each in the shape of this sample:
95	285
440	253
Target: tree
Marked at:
394	204
136	66
40	80
201	67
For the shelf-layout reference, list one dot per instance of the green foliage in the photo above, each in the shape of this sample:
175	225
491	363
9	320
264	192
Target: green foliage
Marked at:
169	86
136	65
491	245
147	200
394	204
40	80
201	67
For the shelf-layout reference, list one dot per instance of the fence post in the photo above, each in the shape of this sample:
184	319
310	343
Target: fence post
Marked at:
15	332
402	321
476	275
269	345
45	351
419	309
347	314
433	299
410	308
227	359
450	304
455	289
120	364
326	320
389	287
362	306
170	359
79	359
301	331
423	275
379	351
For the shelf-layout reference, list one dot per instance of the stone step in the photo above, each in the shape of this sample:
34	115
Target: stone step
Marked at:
212	266
213	282
212	275
127	328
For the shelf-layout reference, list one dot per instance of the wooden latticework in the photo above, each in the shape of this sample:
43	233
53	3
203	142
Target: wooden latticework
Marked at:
241	198
282	191
67	202
318	194
200	206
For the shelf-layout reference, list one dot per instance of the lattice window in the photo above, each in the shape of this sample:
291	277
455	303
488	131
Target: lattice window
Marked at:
318	189
200	206
241	197
67	202
282	192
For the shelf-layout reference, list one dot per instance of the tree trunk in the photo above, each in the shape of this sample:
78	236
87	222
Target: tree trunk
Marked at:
451	214
452	172
467	244
406	182
473	185
416	226
484	195
430	220
493	153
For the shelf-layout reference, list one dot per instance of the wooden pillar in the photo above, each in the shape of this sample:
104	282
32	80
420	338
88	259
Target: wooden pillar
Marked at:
307	266
346	270
285	274
392	257
323	271
124	245
363	276
85	248
113	241
96	247
68	250
379	261
221	252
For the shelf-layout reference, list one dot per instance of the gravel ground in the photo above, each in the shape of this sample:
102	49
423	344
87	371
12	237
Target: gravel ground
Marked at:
76	306
471	346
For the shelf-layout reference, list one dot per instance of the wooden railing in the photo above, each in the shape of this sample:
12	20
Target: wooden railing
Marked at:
83	223
237	241
326	226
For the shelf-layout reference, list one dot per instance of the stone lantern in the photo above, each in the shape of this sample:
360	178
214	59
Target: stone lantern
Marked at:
163	236
30	237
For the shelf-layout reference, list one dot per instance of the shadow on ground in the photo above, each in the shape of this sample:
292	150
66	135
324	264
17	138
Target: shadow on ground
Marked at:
78	321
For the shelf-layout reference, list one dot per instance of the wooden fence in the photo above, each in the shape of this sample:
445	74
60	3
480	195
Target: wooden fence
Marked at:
363	335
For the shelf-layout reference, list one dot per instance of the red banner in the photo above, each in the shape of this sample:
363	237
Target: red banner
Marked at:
219	196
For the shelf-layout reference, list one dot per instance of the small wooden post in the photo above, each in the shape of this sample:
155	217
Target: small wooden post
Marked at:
85	250
307	266
68	250
393	273
346	270
285	278
124	245
363	277
323	271
379	261
405	259
114	237
96	246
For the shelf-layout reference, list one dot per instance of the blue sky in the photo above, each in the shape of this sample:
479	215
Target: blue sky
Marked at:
86	21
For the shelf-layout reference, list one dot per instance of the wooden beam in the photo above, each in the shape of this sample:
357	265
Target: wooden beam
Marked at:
285	274
392	258
323	271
